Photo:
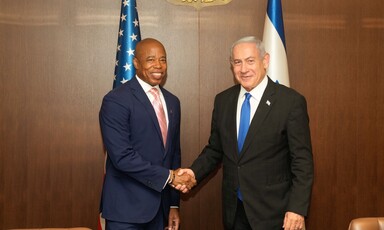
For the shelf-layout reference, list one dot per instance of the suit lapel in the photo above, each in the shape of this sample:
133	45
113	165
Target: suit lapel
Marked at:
141	96
265	106
171	119
232	131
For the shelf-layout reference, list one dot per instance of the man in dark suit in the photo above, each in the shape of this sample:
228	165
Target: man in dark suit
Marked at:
143	147
267	180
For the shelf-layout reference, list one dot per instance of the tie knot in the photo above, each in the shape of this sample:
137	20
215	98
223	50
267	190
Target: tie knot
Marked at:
247	96
154	92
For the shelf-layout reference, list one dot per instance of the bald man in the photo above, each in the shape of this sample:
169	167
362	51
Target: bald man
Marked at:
143	147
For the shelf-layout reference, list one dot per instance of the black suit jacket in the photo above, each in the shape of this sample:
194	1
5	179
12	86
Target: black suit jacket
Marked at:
275	168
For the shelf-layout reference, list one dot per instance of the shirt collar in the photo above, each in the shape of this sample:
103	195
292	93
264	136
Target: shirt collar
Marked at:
146	87
258	91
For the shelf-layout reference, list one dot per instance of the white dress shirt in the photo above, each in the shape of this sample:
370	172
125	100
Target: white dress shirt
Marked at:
256	94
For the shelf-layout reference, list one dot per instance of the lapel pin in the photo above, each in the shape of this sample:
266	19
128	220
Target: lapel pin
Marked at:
268	103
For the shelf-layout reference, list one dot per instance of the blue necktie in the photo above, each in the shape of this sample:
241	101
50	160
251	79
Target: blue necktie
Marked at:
244	121
245	117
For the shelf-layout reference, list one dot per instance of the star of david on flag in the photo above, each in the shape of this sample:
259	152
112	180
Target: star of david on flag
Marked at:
128	37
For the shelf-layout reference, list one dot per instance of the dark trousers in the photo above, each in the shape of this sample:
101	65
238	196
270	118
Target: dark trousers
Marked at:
241	220
157	223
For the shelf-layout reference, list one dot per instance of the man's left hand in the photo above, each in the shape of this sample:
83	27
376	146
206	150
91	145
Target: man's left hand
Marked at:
174	219
293	221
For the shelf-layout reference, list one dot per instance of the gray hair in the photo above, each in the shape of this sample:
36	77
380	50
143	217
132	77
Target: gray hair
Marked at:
250	39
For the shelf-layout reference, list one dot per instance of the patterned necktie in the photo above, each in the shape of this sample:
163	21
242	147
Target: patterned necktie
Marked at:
244	121
158	106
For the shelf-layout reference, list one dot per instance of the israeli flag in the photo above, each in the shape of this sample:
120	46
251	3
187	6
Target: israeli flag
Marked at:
274	41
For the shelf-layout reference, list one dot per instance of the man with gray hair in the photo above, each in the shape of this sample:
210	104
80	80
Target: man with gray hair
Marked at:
260	133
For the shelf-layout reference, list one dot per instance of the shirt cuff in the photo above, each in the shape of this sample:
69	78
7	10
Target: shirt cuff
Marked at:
167	181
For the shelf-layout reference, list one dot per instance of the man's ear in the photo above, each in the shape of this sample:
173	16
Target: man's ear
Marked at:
266	61
135	63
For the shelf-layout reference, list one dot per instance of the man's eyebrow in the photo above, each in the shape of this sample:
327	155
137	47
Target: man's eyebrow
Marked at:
244	58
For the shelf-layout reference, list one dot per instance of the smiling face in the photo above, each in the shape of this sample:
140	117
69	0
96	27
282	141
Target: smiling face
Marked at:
150	61
248	66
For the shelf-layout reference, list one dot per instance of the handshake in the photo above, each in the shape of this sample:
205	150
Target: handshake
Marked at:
182	179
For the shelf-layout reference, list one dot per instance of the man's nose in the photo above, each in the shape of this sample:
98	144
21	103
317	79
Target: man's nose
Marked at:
243	68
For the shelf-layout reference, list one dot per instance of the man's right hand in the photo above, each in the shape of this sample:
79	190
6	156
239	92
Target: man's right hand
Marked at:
184	180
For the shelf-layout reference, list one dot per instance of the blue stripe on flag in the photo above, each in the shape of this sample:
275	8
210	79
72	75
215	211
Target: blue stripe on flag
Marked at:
275	14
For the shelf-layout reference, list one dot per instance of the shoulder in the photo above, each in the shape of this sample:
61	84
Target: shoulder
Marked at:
284	92
168	93
229	93
289	100
123	95
169	96
119	91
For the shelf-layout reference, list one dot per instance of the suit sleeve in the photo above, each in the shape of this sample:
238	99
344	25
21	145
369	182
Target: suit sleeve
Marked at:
176	163
299	141
212	154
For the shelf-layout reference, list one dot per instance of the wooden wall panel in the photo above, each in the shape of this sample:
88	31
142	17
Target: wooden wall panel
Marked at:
57	62
51	92
334	49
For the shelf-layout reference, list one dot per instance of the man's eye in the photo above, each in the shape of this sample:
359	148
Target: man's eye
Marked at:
250	61
236	62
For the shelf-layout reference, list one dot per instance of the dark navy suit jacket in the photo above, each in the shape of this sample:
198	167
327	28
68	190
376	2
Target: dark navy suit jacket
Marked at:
137	165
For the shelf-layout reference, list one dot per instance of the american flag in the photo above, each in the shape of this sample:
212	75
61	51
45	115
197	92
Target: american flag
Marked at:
274	41
128	36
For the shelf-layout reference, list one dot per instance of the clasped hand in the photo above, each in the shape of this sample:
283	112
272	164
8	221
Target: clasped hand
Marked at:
184	180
